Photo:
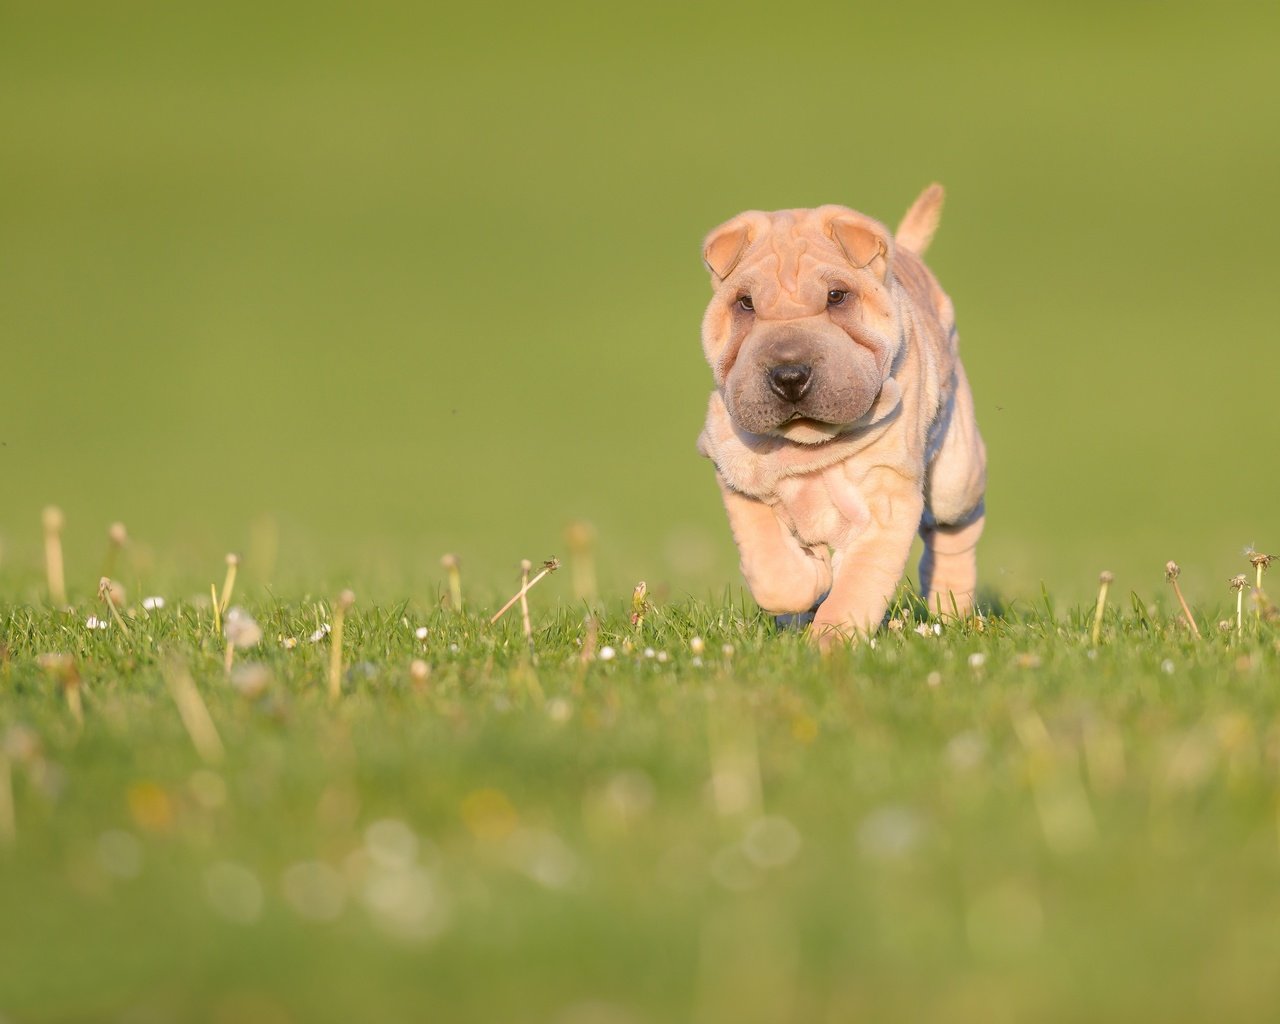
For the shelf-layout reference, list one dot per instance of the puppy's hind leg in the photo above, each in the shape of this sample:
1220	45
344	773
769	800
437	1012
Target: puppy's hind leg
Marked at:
949	565
955	482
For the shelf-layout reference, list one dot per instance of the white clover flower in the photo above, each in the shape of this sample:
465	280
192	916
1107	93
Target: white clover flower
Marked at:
697	645
649	652
93	622
421	632
607	653
320	633
153	604
977	660
288	642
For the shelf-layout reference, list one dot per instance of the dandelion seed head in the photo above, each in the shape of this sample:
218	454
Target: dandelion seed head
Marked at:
241	629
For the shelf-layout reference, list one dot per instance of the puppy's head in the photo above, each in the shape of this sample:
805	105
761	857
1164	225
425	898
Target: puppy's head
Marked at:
802	330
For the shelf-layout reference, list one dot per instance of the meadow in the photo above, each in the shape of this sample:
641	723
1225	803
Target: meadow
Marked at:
345	290
637	812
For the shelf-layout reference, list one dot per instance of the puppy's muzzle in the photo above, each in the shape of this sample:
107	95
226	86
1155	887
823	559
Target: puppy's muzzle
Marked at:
791	381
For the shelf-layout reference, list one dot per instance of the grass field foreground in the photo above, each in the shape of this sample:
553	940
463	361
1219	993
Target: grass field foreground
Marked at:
691	816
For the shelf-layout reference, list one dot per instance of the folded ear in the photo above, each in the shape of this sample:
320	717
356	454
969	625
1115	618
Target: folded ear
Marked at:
921	221
865	243
726	245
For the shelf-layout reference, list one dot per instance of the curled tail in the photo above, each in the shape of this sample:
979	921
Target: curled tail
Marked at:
921	221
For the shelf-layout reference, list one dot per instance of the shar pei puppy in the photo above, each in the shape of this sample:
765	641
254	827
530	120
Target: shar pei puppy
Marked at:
841	422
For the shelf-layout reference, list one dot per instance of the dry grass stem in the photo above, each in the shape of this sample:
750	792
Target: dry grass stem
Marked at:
1171	573
1238	583
590	638
228	583
107	591
548	567
580	536
54	572
1259	561
345	600
453	569
1104	583
117	537
525	567
194	712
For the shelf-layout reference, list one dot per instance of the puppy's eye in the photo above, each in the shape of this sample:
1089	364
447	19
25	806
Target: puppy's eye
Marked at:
836	296
746	303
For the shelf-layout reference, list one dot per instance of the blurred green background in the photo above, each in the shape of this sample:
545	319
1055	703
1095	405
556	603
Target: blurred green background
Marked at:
394	280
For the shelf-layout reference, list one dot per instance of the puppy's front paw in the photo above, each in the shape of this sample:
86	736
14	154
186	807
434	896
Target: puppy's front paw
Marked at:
830	635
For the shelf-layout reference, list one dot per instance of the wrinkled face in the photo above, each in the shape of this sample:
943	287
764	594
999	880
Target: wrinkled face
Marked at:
801	332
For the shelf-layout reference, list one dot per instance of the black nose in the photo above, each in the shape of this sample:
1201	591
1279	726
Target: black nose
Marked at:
790	381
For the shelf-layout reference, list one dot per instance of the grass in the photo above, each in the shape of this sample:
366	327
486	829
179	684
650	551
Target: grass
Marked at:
981	824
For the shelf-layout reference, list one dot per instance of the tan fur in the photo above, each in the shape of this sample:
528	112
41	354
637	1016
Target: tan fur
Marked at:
826	488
